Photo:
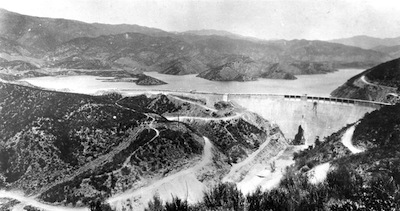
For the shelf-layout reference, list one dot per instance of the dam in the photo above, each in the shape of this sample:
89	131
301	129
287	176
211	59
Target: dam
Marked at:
318	116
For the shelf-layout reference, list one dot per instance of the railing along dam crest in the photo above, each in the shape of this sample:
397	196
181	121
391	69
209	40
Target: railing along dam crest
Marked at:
308	98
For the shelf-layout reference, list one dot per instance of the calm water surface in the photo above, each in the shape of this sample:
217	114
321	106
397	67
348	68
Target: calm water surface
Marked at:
318	85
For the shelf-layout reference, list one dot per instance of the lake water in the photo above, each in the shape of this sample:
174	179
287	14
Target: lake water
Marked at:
316	85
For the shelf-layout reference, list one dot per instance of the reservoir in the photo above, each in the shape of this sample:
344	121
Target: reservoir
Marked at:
316	85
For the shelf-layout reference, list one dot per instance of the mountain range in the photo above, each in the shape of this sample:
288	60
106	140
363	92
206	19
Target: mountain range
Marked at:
68	44
367	42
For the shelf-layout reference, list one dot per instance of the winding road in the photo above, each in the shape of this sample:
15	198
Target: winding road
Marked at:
364	80
346	140
319	173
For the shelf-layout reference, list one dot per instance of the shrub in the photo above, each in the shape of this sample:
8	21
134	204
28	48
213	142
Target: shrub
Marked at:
155	205
224	195
177	204
97	205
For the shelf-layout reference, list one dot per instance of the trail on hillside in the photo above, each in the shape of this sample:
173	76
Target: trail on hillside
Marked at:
346	140
144	194
34	203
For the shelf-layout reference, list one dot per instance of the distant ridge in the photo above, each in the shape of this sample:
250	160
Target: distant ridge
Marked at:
46	33
367	42
222	33
61	43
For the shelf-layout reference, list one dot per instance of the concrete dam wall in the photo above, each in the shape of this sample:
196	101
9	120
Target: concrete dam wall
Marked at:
317	116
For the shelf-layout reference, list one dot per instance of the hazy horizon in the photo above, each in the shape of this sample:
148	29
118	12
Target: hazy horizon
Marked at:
264	19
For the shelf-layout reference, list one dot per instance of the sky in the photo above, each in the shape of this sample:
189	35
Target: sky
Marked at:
265	19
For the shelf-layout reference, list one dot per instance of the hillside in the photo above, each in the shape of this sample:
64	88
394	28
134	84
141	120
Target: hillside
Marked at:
356	168
209	55
234	68
16	65
368	42
211	32
379	83
129	49
44	34
68	44
393	51
73	150
182	66
289	51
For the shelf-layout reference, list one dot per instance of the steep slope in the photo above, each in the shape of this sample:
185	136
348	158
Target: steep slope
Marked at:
70	148
379	83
